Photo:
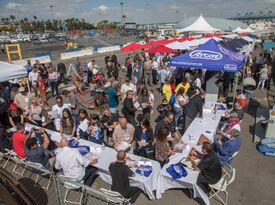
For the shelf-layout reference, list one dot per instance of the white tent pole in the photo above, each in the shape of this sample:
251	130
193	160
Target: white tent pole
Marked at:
29	90
235	89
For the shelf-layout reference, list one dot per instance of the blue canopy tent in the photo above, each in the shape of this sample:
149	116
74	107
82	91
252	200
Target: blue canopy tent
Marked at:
211	56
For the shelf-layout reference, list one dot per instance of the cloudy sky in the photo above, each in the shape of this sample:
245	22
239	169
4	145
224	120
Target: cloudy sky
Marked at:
135	10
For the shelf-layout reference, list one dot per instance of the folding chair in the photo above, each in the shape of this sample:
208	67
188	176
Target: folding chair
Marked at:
114	197
227	168
218	188
221	186
71	184
11	155
38	169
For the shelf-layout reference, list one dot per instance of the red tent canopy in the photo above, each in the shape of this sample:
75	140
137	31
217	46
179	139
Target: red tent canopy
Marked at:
186	39
131	47
160	49
209	35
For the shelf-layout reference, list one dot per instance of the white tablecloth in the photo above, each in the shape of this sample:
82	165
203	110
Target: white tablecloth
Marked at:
207	126
107	156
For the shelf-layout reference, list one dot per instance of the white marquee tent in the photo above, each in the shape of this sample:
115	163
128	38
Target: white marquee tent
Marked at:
10	72
199	26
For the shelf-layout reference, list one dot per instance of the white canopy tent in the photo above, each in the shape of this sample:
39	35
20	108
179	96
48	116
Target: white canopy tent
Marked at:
187	44
199	26
10	72
239	30
230	36
248	39
249	30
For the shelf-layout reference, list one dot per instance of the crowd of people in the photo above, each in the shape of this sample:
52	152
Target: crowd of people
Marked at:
129	129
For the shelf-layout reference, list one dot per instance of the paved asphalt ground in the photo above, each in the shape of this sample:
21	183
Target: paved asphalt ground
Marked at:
255	173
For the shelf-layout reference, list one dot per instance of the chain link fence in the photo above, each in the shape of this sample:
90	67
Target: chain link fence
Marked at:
22	182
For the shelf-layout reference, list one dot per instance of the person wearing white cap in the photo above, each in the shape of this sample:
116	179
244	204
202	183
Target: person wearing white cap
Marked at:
22	99
232	123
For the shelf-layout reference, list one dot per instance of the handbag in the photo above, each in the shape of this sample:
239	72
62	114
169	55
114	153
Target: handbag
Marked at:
177	171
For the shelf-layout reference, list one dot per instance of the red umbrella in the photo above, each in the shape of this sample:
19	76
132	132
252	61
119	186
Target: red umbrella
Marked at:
160	49
131	47
186	39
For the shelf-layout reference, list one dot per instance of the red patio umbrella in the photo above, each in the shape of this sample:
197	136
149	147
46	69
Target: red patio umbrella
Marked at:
186	39
160	49
131	47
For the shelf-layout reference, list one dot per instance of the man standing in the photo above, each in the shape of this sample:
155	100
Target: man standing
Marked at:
192	108
120	174
73	102
155	68
33	77
74	165
127	86
148	71
57	110
61	69
113	97
129	109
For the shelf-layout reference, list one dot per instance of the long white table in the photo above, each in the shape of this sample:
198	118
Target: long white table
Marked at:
107	156
207	126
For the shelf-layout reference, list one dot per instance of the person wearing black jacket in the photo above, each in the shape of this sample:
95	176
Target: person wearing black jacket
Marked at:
209	166
61	69
192	108
120	174
129	109
143	136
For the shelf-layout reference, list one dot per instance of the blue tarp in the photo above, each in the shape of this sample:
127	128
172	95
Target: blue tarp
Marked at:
210	56
268	45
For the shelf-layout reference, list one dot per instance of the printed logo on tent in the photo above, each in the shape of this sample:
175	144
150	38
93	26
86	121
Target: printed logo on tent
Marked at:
230	67
205	54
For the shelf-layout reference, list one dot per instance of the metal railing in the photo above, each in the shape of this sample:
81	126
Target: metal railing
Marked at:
38	185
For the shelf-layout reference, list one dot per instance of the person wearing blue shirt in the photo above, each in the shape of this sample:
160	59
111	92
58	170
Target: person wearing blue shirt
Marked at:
225	150
113	97
95	132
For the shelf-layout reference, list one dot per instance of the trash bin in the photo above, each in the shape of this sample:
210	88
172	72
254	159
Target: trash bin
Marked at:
249	87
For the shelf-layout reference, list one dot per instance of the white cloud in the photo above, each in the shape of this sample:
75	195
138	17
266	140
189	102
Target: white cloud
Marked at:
102	8
13	5
174	7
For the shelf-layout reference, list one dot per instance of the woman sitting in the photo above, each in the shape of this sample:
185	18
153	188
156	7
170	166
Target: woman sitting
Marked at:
15	115
67	123
143	136
35	113
162	149
82	124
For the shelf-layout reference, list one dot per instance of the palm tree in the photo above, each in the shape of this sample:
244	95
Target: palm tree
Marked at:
12	17
26	19
35	18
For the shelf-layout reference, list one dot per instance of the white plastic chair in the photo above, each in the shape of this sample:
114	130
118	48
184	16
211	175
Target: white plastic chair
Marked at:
227	168
39	168
114	197
221	187
71	184
218	188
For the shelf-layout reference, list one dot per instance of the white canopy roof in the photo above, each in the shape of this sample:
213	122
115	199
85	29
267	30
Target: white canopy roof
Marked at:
239	30
249	30
9	71
248	39
199	26
230	36
174	45
187	44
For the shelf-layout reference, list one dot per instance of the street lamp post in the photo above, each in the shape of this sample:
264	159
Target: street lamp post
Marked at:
148	18
122	23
